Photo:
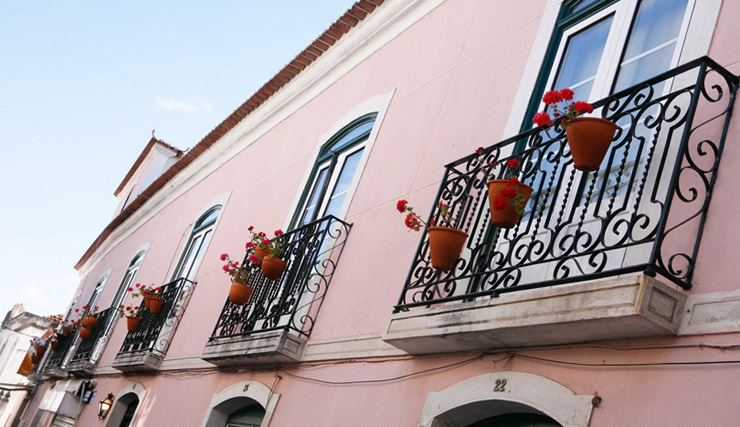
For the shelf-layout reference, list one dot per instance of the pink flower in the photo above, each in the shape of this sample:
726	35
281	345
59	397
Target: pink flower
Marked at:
552	97
566	94
542	119
130	289
137	285
224	256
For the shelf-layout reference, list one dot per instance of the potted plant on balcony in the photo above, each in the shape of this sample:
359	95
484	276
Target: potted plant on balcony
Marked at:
588	137
259	244
132	320
89	320
507	198
53	341
37	349
445	242
240	292
152	297
272	266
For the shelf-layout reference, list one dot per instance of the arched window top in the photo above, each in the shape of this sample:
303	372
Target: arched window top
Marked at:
137	259
207	219
353	133
575	10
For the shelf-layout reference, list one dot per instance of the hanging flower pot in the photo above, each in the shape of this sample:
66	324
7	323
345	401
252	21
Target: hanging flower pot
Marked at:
90	322
54	345
66	330
132	322
240	293
260	254
445	245
273	267
85	333
35	358
154	304
589	139
507	199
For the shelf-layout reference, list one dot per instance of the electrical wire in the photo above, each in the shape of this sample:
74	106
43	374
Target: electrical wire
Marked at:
382	380
623	365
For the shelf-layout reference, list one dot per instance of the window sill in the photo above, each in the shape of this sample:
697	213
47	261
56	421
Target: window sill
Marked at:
270	347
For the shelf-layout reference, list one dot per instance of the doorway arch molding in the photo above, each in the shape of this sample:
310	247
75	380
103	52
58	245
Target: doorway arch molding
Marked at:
252	390
540	393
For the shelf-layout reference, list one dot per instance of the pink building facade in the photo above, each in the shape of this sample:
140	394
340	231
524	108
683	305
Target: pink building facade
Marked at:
611	303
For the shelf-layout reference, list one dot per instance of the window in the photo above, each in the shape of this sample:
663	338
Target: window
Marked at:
128	279
197	244
333	177
98	289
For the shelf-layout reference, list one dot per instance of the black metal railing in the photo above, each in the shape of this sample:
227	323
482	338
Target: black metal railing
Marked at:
86	346
147	335
644	210
56	357
292	302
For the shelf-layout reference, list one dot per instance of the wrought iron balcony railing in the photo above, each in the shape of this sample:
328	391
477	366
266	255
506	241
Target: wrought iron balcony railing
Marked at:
153	333
292	302
643	211
86	347
56	357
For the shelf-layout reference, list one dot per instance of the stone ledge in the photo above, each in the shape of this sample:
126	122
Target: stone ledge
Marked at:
82	368
711	313
631	307
258	349
140	361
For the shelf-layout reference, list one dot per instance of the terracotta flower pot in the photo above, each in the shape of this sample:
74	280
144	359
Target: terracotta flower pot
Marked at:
272	267
90	322
240	293
260	253
445	245
146	302
132	322
35	359
54	345
154	304
508	216
66	330
85	333
589	139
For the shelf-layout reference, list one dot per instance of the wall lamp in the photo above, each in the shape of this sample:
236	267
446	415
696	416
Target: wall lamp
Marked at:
105	406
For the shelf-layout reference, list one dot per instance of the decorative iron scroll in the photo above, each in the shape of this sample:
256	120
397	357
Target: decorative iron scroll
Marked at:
147	335
644	210
293	301
86	346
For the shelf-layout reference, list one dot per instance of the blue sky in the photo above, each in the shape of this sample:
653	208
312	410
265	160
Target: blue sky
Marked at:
82	85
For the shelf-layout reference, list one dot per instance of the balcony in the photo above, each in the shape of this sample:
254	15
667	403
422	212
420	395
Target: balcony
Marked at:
86	355
53	367
273	326
595	252
144	349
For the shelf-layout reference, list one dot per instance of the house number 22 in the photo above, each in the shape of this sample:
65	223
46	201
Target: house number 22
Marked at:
500	386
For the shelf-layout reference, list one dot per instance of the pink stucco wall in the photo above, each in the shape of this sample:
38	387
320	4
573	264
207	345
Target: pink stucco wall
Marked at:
455	75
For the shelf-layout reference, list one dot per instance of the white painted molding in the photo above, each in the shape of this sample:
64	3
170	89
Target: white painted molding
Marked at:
377	104
379	28
119	407
540	393
253	390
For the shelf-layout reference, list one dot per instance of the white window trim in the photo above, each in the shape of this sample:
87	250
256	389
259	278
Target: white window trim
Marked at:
254	390
378	104
695	44
118	409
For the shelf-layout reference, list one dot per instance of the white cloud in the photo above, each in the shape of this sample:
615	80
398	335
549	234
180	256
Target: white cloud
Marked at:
170	104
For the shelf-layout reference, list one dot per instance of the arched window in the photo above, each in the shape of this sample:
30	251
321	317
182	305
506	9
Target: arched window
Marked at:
247	416
98	289
128	279
197	244
333	176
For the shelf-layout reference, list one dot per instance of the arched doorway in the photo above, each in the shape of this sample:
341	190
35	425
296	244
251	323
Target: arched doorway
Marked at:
126	405
515	399
494	413
244	404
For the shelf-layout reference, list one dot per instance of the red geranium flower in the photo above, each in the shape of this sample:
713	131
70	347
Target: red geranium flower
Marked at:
508	193
278	233
552	97
542	119
401	205
513	163
500	203
266	242
583	107
566	94
224	256
251	227
226	267
253	259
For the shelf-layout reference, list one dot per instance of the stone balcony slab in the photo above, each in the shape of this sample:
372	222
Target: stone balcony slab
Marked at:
270	347
631	307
